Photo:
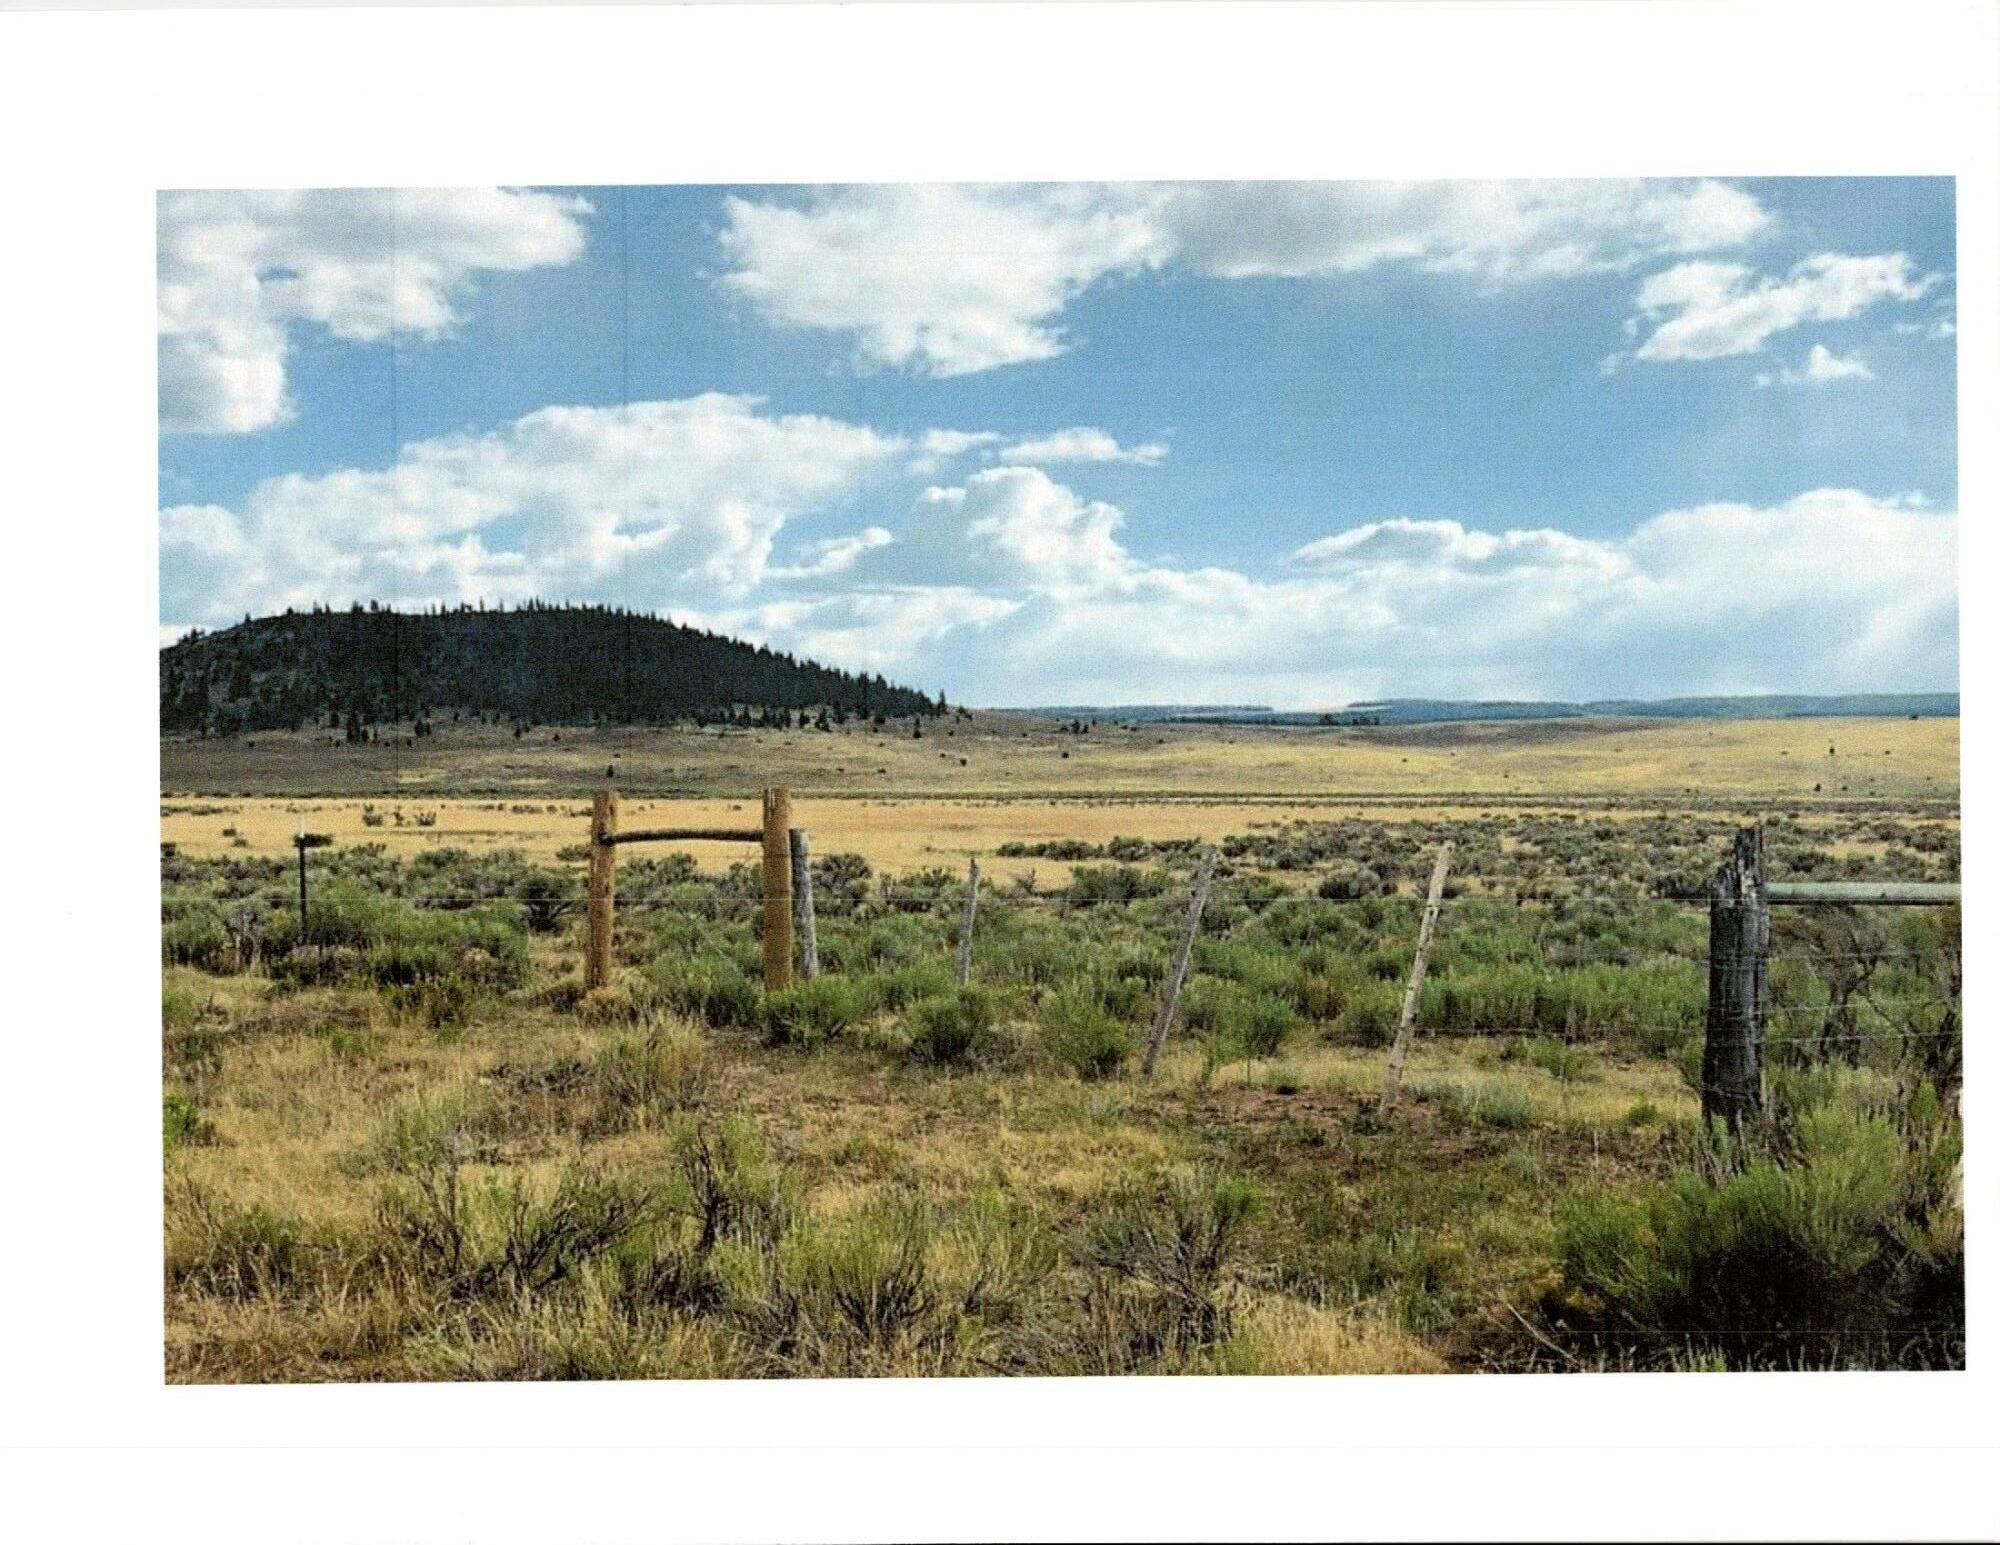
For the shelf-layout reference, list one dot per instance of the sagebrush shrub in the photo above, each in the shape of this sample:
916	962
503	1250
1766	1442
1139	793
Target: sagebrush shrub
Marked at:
1838	1233
954	1029
1176	1243
822	1009
1081	1034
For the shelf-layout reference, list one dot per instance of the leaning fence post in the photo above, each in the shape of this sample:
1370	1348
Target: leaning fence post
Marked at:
1406	1026
802	904
1739	938
1170	992
777	889
965	932
603	884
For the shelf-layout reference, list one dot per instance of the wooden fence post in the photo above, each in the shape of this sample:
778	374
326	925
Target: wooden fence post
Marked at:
965	933
1170	991
802	904
1406	1026
777	889
1739	939
603	885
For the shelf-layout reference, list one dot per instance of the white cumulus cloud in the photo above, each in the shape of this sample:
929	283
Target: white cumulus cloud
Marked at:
951	279
1082	443
833	555
646	504
1822	367
1706	310
238	270
945	279
1834	590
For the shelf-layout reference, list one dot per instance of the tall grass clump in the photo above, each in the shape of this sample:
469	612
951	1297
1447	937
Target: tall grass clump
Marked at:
640	1080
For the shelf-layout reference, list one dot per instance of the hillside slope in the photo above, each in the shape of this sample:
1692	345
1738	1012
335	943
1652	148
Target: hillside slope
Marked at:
545	664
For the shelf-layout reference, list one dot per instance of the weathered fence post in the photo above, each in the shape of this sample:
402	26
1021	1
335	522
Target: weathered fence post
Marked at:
1170	990
777	889
1406	1026
802	904
603	882
1739	938
965	933
300	843
603	885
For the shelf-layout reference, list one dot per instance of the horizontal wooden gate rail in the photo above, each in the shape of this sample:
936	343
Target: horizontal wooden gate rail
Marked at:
775	835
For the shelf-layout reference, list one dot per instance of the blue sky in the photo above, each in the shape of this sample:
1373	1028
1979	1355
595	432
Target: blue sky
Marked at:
1295	443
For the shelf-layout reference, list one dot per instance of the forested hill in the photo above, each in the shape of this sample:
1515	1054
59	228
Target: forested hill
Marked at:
545	664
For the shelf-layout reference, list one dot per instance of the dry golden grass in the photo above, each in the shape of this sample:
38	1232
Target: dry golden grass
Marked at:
1006	756
1280	1335
1193	786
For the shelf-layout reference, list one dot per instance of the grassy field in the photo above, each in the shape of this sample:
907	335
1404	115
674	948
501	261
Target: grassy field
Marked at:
406	1144
1008	756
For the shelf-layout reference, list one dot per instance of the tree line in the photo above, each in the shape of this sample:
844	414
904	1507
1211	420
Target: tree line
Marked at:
533	663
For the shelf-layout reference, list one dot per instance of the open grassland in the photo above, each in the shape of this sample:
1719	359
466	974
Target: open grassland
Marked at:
405	1144
1006	756
902	805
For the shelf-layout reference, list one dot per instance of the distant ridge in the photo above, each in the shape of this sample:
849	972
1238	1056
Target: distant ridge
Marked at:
1145	713
539	663
1421	710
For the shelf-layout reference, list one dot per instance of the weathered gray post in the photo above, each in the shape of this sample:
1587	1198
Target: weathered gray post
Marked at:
802	905
1170	992
777	889
1406	1025
971	913
1739	939
602	891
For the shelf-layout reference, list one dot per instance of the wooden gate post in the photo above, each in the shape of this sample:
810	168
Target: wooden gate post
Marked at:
1739	939
1170	991
777	889
1406	1026
971	914
603	884
802	904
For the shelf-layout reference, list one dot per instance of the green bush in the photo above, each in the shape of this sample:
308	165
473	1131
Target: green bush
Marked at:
356	936
822	1009
716	992
1835	1238
1349	881
1098	884
198	937
1080	1034
955	1029
182	1122
1266	1024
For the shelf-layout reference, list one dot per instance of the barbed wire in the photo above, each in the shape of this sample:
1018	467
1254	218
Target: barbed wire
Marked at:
1584	1036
